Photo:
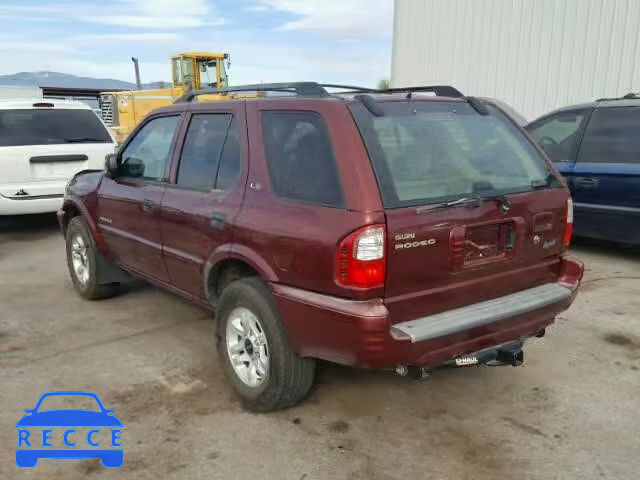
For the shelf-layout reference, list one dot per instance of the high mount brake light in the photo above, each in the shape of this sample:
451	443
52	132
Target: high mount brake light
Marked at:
360	259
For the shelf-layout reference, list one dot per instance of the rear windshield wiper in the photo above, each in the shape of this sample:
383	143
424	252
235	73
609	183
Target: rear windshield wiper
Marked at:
84	140
471	201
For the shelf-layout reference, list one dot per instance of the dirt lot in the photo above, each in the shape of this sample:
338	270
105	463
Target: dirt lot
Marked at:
571	412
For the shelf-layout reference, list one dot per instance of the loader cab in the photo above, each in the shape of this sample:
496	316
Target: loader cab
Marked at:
195	70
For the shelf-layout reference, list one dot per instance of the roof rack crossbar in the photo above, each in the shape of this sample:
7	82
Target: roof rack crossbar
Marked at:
350	88
439	90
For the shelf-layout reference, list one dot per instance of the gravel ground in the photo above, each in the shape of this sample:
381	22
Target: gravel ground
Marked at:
571	412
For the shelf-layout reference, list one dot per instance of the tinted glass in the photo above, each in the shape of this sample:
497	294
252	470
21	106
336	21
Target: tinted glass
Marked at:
147	154
51	127
229	169
300	158
558	135
425	152
612	136
201	151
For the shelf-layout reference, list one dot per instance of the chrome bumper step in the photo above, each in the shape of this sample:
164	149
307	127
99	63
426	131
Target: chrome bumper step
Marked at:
477	314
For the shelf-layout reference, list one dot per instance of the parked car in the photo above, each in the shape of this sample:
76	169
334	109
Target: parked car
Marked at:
596	146
42	145
375	230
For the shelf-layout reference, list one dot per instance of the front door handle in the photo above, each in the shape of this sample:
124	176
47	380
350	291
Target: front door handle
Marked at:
218	220
585	182
147	206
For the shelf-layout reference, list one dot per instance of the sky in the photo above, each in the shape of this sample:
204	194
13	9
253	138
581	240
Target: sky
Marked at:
346	41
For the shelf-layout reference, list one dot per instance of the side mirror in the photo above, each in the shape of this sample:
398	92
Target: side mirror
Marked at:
111	164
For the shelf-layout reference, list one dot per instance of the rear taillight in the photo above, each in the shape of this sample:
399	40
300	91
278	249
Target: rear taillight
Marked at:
568	227
360	259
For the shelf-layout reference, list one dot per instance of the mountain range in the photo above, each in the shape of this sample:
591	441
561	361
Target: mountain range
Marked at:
65	80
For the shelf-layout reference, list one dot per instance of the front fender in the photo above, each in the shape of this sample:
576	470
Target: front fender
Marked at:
71	202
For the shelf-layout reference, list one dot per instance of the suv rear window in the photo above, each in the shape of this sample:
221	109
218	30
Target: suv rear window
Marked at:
50	127
427	152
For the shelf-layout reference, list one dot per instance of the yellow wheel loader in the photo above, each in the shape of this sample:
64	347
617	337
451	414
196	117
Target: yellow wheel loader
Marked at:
122	111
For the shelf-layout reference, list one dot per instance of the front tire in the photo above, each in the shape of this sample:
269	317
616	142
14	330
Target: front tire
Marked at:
254	351
82	260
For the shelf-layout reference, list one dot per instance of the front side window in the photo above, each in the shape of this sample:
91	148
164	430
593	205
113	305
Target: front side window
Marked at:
147	154
301	163
51	126
200	160
426	152
612	136
559	134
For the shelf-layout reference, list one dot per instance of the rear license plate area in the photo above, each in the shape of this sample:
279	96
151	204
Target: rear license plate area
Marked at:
474	245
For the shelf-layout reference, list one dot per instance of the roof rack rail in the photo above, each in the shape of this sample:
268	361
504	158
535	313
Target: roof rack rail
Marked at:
313	89
309	89
628	96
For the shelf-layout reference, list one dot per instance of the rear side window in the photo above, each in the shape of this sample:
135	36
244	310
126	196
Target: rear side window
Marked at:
612	136
300	158
559	134
210	148
52	126
427	152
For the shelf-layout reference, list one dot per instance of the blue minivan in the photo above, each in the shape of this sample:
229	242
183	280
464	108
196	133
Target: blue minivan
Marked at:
596	146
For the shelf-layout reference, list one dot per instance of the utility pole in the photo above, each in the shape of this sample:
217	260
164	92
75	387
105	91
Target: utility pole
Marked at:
135	64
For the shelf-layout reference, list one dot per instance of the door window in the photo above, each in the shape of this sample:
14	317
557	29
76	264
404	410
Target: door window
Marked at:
612	136
559	134
147	154
210	157
229	168
300	158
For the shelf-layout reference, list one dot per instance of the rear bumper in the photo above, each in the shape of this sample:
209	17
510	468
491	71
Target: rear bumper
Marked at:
30	204
360	333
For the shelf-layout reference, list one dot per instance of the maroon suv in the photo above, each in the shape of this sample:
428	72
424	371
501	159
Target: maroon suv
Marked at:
393	229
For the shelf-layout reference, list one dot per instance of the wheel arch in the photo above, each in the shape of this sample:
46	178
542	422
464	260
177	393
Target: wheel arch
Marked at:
230	262
73	207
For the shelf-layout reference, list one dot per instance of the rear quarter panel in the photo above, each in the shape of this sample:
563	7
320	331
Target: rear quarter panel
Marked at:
298	241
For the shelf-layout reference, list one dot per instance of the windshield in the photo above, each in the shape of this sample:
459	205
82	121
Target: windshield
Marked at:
50	127
426	152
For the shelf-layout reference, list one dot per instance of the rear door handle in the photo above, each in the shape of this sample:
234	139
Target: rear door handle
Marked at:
585	182
218	220
147	206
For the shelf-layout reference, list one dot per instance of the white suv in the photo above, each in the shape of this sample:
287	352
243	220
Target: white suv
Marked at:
42	145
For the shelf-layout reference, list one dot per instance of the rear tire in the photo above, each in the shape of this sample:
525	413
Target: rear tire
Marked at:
280	377
83	260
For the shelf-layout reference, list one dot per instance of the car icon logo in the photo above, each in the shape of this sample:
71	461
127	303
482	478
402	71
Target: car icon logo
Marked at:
83	433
